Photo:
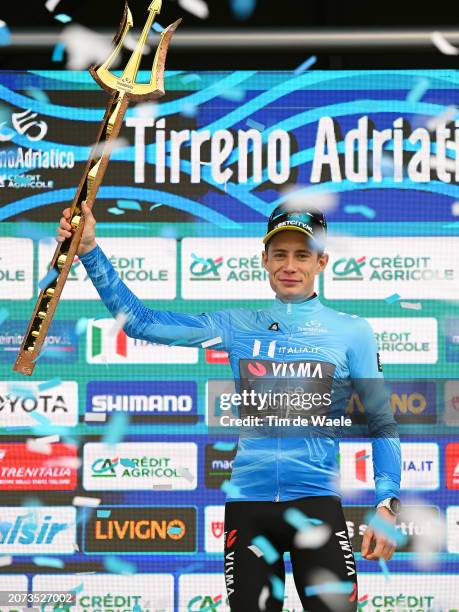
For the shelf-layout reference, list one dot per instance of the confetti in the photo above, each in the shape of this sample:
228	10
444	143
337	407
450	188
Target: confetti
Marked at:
362	457
224	446
188	110
5	560
230	489
48	562
388	529
411	305
86	502
305	65
63	18
49	384
211	342
146	109
126	462
49	439
198	8
188	78
119	423
455	209
446	116
115	211
361	209
155	206
85	47
95	417
243	9
48	279
36	446
4	314
119	322
298	520
185	473
278	587
38	94
74	463
270	554
263	598
107	146
418	90
312	537
130	43
157	27
256	551
26	392
129	205
383	565
391	299
103	513
235	94
51	5
117	566
299	198
329	587
58	53
442	44
256	125
4	34
81	326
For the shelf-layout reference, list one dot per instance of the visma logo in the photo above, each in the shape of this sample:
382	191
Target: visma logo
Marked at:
30	532
205	269
348	269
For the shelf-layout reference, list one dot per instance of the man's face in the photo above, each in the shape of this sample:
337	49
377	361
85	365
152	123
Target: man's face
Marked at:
292	265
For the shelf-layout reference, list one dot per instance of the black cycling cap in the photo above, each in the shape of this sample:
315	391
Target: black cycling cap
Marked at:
310	221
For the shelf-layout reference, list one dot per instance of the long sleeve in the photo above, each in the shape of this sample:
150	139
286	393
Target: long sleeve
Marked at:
162	327
368	381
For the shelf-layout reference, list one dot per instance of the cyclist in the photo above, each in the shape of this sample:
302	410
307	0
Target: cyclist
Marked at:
277	477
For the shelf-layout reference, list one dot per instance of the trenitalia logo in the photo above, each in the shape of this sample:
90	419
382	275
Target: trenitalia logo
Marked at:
205	269
348	269
138	529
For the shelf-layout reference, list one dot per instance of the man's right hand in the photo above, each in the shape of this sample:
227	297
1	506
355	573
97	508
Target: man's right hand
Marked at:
88	238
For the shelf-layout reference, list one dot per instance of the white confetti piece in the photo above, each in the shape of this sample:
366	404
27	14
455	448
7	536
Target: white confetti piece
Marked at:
48	439
87	502
107	147
444	117
51	5
5	560
85	47
74	463
77	548
411	305
312	537
256	551
185	472
442	44
35	446
95	417
120	320
130	43
198	8
147	109
299	198
455	209
263	598
211	342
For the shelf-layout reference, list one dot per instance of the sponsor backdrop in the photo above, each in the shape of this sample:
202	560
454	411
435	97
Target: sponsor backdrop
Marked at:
131	490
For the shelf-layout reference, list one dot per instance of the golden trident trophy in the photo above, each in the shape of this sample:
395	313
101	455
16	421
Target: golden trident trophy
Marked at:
123	89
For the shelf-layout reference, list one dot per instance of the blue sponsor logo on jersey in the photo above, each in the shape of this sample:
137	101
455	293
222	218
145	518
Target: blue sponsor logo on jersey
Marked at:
61	342
172	399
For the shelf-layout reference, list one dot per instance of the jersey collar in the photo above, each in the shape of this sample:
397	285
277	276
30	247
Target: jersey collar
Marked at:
304	309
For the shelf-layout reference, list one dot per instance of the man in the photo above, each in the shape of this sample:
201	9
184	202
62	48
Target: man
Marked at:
283	494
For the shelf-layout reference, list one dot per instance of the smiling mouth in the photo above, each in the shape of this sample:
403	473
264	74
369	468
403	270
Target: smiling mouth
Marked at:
290	281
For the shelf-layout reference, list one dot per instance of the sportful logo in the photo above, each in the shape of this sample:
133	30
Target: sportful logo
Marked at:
348	269
205	269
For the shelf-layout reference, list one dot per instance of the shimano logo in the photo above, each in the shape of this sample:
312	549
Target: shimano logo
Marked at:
142	403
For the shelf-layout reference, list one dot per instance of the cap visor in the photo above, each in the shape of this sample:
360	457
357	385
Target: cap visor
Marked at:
295	228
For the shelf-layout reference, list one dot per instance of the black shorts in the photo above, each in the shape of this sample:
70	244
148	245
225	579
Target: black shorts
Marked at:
322	560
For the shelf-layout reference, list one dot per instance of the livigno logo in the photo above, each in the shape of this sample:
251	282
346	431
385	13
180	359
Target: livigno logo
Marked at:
376	267
213	268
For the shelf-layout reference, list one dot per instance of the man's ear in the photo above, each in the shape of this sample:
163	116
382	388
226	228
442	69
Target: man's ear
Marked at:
264	258
323	261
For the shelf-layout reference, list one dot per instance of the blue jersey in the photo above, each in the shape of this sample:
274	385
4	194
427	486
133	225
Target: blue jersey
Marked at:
284	339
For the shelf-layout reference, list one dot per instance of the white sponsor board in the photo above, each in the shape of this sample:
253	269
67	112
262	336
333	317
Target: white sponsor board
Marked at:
451	407
152	592
400	593
148	266
452	529
224	268
140	466
20	400
107	343
374	268
214	534
420	466
405	339
40	529
16	268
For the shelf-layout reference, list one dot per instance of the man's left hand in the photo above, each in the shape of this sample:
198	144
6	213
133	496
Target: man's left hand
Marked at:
383	546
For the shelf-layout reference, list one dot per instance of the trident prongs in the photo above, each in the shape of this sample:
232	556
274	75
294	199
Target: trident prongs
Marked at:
126	83
123	90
